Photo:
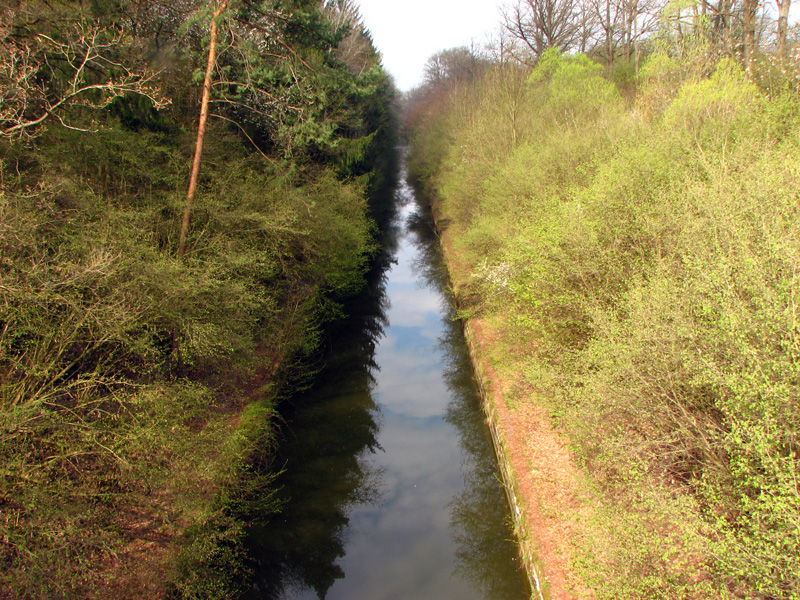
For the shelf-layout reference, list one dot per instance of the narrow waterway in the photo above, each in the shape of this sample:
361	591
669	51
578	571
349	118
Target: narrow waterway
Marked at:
390	487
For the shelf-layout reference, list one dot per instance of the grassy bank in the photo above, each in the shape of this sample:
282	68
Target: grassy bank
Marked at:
637	258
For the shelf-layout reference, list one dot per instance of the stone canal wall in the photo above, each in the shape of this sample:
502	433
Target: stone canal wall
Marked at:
493	407
538	472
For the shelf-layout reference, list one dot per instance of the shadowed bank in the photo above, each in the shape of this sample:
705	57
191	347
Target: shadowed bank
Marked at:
390	487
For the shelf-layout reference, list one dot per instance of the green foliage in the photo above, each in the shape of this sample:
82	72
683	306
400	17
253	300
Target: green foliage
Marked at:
576	87
646	265
211	563
717	111
136	388
663	74
776	76
79	482
429	148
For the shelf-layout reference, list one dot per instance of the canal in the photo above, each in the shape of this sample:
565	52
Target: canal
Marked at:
390	487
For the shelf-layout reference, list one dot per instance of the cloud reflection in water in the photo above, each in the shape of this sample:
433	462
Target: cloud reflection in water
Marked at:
430	519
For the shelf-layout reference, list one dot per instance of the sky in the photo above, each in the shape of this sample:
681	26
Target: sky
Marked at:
408	32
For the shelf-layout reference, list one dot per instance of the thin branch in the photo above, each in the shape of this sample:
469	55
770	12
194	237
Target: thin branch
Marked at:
261	152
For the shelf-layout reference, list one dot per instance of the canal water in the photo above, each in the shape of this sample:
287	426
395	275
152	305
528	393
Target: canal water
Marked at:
390	488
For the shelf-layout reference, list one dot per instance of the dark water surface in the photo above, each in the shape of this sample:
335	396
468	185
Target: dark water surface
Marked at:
390	487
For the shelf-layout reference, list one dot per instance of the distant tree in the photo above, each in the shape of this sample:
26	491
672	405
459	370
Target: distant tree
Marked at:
749	14
782	47
543	24
156	23
640	19
606	15
721	16
502	47
453	65
622	25
356	49
588	26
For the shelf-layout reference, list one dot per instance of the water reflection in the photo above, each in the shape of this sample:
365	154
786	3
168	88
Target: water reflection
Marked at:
486	553
331	429
329	432
390	486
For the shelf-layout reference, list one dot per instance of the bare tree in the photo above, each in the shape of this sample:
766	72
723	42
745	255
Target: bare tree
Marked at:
640	19
782	48
606	15
500	47
723	22
42	78
588	26
453	65
621	25
342	13
356	49
543	24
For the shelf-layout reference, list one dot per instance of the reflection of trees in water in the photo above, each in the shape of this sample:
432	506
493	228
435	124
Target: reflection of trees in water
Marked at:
325	476
487	554
329	429
428	262
334	424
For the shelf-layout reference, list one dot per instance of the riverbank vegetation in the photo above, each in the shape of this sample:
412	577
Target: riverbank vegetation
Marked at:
138	382
631	228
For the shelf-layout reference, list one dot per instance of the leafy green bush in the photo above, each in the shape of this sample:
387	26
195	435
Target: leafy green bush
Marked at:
717	111
646	265
577	90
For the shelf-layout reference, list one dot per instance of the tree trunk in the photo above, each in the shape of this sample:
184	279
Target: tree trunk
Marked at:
626	37
609	34
783	28
749	9
636	47
201	129
727	25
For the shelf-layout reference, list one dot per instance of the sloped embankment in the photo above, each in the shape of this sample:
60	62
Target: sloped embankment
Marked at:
538	473
630	284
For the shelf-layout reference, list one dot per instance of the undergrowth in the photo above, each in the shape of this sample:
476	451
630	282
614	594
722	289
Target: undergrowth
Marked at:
645	253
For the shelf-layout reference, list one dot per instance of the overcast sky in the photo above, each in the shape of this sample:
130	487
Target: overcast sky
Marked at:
408	32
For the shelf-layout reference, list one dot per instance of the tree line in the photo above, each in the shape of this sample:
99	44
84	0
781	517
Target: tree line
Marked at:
624	31
612	29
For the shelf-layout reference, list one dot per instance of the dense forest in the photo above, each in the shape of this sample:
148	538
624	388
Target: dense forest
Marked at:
184	192
627	202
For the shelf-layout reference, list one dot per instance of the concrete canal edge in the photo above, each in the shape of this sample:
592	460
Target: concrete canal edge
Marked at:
519	512
490	400
544	486
540	478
